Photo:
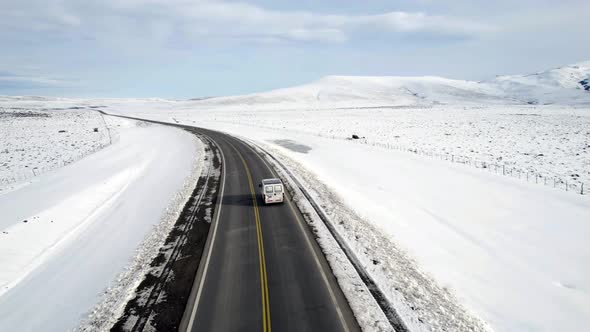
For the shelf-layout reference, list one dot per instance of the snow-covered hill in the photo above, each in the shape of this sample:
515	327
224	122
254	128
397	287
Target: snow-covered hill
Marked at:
565	85
366	91
568	77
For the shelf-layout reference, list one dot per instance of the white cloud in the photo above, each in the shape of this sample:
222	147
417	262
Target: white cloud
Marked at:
10	81
244	19
216	19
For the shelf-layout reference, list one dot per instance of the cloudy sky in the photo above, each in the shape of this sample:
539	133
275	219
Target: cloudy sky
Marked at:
183	49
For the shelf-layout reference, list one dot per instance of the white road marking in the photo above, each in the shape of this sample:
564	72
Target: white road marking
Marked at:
213	236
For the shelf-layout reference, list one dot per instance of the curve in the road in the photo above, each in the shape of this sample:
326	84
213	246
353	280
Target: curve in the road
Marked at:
262	269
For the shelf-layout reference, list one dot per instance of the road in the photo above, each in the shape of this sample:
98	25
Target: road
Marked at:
262	269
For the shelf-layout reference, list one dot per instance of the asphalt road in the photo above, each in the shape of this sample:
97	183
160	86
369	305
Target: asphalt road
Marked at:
261	269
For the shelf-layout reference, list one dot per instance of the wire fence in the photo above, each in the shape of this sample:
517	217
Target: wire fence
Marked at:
500	169
35	171
21	176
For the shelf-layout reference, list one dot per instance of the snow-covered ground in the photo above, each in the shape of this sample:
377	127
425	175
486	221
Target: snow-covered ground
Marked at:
512	252
33	142
68	234
446	242
551	141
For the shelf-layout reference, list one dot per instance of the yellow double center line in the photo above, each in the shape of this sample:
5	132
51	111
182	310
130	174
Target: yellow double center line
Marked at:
266	325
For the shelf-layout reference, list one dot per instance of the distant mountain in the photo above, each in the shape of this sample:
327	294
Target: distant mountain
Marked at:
568	85
568	77
361	91
563	85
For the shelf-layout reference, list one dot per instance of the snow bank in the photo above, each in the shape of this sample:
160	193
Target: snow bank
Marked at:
29	243
85	223
364	306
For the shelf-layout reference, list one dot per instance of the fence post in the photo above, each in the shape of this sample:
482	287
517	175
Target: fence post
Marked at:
582	189
503	169
566	185
108	129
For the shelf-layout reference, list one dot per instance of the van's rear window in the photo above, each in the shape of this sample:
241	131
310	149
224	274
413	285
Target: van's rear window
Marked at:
278	189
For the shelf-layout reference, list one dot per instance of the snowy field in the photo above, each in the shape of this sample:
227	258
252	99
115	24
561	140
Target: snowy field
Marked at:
450	244
35	141
447	242
552	141
74	236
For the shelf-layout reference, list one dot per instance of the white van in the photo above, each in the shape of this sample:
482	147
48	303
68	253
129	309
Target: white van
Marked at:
272	191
